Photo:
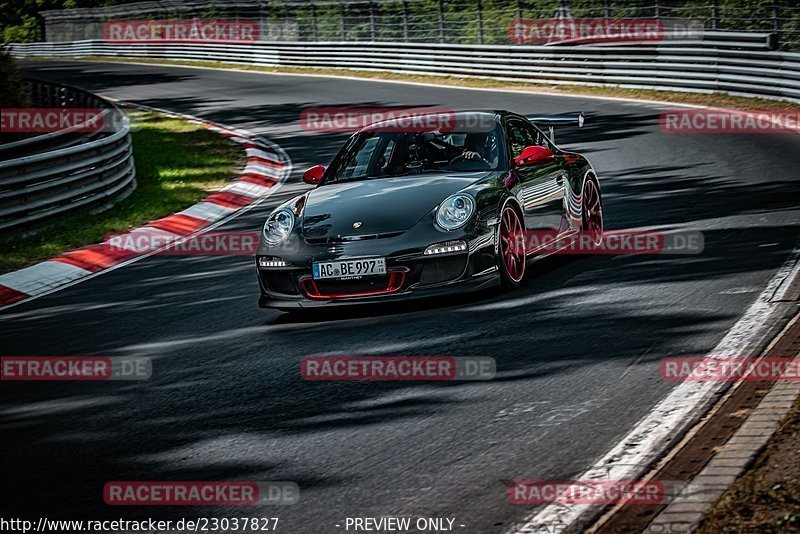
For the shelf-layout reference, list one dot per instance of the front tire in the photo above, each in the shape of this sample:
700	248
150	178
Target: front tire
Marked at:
511	252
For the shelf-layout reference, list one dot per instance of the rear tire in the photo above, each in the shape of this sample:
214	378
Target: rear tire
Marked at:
592	211
511	250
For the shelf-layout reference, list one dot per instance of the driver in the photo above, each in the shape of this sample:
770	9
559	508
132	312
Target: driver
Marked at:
481	146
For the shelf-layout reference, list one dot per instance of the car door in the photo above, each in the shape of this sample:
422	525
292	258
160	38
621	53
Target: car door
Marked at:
540	187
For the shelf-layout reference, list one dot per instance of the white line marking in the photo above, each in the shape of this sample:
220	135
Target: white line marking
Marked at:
208	211
153	231
261	170
672	416
242	140
258	153
247	189
40	278
789	276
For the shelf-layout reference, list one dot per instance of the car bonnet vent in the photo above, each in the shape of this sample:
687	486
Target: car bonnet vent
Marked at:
339	239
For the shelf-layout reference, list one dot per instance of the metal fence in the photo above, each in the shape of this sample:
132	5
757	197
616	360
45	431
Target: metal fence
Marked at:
57	172
442	21
733	66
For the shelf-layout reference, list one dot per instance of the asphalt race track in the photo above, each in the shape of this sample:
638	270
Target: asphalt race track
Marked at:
577	347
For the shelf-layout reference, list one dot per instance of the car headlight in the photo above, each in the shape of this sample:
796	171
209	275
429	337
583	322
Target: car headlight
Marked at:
278	226
455	211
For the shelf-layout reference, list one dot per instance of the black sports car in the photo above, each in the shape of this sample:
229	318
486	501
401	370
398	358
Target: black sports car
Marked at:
407	211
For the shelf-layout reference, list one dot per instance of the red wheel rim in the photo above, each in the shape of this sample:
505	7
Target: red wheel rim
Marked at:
512	244
594	212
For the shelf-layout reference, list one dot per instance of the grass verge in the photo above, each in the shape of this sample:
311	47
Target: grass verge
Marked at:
704	99
177	164
766	499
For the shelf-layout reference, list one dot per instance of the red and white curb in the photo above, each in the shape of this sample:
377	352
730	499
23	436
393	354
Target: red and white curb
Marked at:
267	167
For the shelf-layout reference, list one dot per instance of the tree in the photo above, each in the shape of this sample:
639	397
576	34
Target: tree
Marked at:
28	32
13	89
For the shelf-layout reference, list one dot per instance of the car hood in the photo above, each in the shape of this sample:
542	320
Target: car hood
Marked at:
381	205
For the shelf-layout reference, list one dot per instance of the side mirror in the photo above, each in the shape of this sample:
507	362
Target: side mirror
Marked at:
534	155
314	175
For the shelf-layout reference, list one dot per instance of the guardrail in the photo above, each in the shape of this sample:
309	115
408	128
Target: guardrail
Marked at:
62	171
430	21
696	67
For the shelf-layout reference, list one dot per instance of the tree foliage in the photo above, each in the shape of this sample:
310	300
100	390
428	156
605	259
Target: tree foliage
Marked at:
20	22
13	90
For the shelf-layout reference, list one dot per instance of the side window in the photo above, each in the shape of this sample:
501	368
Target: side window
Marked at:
519	136
537	136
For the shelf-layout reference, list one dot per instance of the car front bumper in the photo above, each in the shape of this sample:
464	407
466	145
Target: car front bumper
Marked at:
410	273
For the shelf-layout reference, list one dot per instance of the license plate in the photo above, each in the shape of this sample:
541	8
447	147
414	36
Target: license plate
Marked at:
349	268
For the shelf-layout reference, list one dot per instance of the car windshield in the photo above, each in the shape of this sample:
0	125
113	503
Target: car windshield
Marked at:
382	154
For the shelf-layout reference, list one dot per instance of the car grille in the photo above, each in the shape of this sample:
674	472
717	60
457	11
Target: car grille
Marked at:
443	269
279	282
372	285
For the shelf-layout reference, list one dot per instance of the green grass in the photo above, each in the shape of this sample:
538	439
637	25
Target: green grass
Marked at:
177	164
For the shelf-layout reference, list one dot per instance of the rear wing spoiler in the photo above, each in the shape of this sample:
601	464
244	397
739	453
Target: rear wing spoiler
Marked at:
551	121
